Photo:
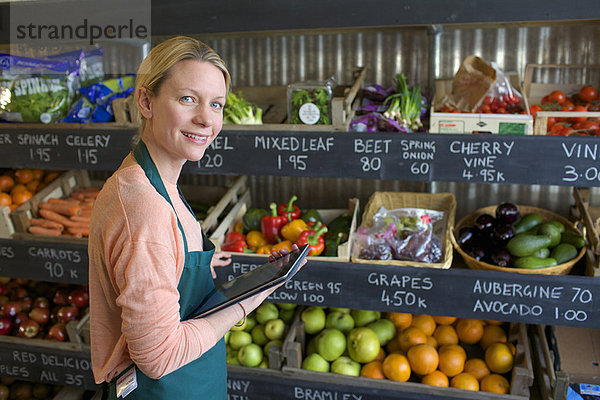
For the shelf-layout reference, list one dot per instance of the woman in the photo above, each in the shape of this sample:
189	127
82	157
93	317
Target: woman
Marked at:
150	265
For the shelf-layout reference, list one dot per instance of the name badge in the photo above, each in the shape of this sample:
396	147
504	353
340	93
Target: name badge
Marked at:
126	383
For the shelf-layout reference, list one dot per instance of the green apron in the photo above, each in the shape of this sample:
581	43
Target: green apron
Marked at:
205	377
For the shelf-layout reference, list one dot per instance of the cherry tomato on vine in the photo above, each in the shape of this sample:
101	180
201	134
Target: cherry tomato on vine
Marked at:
533	109
591	127
579	109
557	96
511	98
588	93
567	106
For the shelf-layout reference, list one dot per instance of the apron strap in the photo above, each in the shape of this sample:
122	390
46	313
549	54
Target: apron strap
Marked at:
142	156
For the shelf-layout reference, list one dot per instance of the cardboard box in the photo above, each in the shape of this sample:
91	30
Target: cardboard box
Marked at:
502	124
578	353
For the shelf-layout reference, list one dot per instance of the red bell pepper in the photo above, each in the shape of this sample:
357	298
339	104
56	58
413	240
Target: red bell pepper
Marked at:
237	246
270	225
288	209
234	237
314	239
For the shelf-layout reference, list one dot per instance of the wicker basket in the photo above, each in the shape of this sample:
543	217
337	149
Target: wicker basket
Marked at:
445	202
561	269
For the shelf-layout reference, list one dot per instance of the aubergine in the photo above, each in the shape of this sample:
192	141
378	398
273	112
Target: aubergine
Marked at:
485	223
508	213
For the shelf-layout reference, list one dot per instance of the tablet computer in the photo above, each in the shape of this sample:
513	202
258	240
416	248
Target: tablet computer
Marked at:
246	285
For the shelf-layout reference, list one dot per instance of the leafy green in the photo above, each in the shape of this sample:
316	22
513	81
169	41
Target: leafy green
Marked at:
319	97
239	111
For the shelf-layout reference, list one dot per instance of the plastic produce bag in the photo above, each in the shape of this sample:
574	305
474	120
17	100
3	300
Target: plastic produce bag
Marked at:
410	234
501	95
89	64
34	90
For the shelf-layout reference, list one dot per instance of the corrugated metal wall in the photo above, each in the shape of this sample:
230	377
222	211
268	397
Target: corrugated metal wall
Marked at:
423	54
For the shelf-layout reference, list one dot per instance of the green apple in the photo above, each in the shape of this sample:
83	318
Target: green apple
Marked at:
287	316
258	335
264	363
265	312
363	344
340	309
311	346
250	323
314	362
384	329
314	319
251	355
275	329
286	306
276	342
339	320
231	357
238	339
226	337
345	366
331	343
364	317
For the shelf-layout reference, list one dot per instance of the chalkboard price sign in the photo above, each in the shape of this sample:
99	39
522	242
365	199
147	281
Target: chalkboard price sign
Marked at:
44	261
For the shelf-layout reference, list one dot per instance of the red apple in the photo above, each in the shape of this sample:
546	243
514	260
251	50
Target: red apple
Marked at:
78	298
60	298
40	315
41	302
67	313
28	329
58	332
26	303
19	318
18	293
11	308
6	326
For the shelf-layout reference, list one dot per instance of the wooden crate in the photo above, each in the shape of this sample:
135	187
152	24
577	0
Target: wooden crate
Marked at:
590	217
521	380
236	214
535	91
79	331
7	228
477	122
445	202
61	187
69	393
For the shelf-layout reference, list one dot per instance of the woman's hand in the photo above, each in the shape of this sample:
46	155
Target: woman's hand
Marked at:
219	259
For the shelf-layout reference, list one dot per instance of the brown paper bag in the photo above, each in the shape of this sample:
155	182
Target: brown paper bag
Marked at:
471	82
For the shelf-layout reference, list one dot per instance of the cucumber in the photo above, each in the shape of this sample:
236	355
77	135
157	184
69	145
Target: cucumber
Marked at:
541	253
573	238
559	225
529	221
531	262
550	230
564	252
525	244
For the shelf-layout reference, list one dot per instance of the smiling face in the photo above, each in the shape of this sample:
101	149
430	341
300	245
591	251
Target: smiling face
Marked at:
186	114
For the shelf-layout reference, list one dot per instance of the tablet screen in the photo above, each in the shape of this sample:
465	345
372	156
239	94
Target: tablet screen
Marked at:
243	286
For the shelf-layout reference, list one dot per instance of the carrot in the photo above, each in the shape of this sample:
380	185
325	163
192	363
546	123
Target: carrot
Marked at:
46	223
38	230
61	208
69	200
81	219
56	217
75	235
83	231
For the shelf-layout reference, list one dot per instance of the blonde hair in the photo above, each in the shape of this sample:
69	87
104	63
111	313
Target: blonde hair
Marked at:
155	68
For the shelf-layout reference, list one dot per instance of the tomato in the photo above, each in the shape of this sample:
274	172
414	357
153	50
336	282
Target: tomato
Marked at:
551	122
557	96
511	98
485	108
588	93
567	106
534	109
567	131
545	100
591	126
579	109
488	100
501	110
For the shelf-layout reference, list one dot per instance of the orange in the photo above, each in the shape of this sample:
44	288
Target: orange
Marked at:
495	383
512	348
477	367
492	334
21	197
499	358
393	346
443	320
38	174
6	183
411	336
50	176
426	323
13	207
436	378
452	359
493	322
32	185
23	175
469	330
19	187
465	381
396	367
445	334
373	369
423	359
432	341
381	355
401	320
5	199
